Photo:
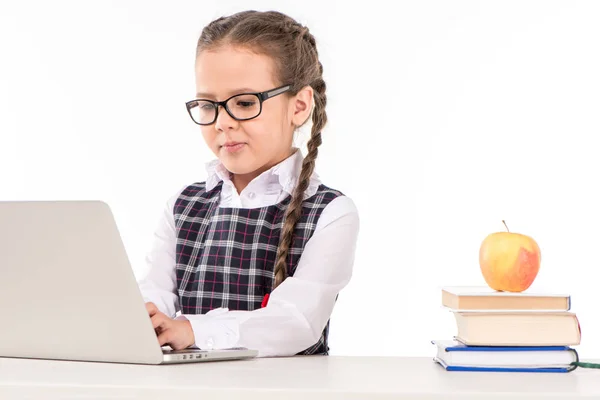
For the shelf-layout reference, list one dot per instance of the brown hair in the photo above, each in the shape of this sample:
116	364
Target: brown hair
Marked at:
294	51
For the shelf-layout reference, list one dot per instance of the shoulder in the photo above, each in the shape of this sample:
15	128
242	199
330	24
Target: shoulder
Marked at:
194	192
322	195
341	209
336	231
337	207
189	193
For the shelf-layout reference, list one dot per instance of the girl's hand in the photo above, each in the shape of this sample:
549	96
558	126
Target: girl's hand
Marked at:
176	333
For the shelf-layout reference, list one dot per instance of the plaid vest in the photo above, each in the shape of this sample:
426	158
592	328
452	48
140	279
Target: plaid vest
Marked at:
225	257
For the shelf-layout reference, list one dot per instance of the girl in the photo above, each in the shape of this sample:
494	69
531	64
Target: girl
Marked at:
256	255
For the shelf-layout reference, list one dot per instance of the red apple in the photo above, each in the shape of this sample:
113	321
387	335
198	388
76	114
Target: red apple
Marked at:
509	261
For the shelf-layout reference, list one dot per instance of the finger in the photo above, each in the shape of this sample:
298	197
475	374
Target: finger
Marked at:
151	308
159	321
175	345
165	337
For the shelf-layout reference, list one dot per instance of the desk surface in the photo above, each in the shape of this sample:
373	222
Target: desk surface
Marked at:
313	377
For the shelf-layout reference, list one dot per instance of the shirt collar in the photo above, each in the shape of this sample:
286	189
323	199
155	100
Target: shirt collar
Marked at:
286	174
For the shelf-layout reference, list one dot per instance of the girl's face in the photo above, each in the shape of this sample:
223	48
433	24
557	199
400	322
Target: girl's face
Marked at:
252	146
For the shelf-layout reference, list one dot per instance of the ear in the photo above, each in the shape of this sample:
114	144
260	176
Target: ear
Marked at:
301	106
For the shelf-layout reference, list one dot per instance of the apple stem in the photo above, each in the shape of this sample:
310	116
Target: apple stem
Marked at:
505	226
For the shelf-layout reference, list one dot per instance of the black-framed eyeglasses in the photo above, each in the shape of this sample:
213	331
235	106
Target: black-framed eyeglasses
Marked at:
241	107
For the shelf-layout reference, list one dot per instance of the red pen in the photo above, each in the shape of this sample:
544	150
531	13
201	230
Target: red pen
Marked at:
265	301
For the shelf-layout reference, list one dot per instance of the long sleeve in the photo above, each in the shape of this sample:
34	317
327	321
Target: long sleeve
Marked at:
159	285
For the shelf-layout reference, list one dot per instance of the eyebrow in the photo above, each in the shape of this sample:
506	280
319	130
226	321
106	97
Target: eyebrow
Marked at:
230	93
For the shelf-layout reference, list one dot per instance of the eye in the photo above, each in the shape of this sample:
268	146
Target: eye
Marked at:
245	104
207	106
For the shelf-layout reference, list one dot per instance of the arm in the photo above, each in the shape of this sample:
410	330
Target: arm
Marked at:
159	285
300	307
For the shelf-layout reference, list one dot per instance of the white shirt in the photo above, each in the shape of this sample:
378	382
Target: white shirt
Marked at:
299	308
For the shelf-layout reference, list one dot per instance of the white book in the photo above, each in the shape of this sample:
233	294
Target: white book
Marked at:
483	298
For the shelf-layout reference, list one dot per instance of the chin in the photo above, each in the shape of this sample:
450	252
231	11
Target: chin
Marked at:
238	166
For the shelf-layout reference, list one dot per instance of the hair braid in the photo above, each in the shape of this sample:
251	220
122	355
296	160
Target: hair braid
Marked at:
294	210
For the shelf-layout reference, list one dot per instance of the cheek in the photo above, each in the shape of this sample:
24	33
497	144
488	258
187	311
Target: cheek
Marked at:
209	135
210	138
264	134
271	127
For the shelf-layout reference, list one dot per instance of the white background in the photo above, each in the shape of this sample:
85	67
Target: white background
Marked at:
445	118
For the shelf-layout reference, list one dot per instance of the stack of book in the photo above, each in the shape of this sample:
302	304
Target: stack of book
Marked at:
503	331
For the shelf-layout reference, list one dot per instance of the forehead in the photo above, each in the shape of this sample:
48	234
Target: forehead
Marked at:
227	70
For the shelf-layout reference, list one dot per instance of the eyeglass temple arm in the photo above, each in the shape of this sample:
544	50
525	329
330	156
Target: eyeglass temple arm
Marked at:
274	92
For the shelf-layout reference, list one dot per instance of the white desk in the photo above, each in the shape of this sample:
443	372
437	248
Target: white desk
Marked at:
310	378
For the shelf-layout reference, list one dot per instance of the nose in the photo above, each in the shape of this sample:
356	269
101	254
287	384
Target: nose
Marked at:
224	121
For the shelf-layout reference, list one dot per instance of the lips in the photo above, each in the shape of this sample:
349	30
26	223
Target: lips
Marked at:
233	146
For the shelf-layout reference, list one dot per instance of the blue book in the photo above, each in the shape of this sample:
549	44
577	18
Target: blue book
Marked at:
456	356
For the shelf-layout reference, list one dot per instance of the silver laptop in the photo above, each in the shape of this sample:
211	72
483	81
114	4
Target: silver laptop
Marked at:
68	292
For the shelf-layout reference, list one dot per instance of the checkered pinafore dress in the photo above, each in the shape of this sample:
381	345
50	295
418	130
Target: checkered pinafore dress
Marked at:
225	257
